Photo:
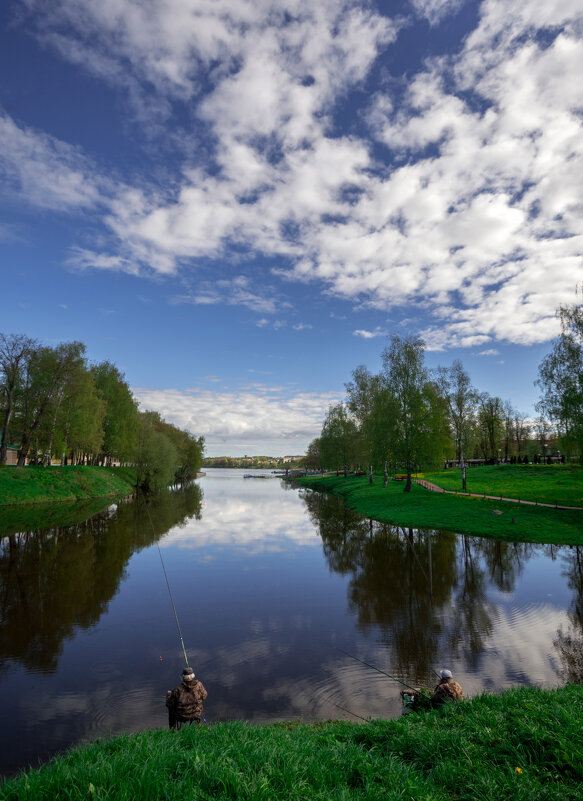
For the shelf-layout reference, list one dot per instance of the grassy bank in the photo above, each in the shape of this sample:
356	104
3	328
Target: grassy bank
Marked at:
562	484
49	484
524	744
424	509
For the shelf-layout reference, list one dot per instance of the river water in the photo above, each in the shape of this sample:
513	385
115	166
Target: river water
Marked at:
274	588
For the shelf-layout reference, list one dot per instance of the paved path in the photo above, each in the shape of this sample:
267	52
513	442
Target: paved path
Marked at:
434	488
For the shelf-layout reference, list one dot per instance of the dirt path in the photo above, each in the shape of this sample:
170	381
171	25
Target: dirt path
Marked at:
434	488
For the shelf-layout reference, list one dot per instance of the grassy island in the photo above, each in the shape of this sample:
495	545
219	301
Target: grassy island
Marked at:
523	744
28	485
482	516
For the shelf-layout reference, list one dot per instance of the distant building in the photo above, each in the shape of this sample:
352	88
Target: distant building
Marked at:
292	458
11	454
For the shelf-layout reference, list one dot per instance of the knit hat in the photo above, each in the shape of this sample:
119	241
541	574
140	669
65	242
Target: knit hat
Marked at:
446	674
188	674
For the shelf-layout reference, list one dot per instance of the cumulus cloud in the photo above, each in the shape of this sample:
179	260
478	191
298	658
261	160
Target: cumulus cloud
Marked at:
272	420
477	201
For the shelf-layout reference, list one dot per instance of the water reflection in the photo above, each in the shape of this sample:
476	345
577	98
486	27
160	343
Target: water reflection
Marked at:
56	579
269	584
429	593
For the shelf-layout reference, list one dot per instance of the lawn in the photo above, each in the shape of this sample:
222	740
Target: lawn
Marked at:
562	484
421	508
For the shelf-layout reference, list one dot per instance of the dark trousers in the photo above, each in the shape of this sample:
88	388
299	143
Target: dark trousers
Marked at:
177	722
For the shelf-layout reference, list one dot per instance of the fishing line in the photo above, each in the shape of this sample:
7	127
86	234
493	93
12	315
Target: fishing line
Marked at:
394	678
169	590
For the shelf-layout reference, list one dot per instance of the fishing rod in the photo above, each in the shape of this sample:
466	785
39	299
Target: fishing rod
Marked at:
394	678
343	708
169	592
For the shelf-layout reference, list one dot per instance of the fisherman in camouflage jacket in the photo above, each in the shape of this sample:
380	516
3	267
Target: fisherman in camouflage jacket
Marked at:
185	701
447	689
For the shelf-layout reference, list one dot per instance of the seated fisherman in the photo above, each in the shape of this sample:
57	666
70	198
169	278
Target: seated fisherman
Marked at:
185	701
446	690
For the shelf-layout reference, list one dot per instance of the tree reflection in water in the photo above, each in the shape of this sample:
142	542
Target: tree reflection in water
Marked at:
54	580
426	592
569	644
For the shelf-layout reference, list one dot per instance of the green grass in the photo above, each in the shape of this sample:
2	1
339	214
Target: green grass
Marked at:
48	484
525	744
421	508
562	484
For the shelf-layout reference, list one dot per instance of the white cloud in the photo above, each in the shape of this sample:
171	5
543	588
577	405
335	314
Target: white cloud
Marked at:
302	327
45	172
489	352
436	10
378	332
271	420
232	292
481	203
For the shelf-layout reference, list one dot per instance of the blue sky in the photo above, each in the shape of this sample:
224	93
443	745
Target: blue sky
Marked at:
237	202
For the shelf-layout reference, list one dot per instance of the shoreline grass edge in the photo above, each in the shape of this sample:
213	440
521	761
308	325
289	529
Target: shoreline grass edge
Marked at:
522	744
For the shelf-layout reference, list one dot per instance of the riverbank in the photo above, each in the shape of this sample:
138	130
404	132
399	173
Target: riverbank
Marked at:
32	485
523	744
483	517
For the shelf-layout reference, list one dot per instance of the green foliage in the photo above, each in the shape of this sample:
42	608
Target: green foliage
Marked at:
338	442
121	421
524	745
561	380
52	402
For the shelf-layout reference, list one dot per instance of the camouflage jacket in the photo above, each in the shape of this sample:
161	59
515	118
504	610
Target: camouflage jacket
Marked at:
447	690
185	701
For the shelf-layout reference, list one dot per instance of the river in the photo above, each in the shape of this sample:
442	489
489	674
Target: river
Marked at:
274	588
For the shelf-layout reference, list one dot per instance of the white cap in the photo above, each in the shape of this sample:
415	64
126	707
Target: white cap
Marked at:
446	674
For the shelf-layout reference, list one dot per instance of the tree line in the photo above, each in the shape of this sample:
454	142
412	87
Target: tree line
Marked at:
55	405
408	417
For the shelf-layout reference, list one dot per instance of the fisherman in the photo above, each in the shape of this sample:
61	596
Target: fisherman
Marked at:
185	701
446	689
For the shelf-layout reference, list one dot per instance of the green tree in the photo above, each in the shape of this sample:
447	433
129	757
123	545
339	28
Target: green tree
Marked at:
156	457
339	438
490	427
15	351
80	421
407	377
121	421
462	401
561	380
312	458
46	376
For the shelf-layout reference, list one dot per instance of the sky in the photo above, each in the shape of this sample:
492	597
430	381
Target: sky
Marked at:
237	202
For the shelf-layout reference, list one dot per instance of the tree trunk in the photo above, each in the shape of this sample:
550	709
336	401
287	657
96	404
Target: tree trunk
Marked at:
7	417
